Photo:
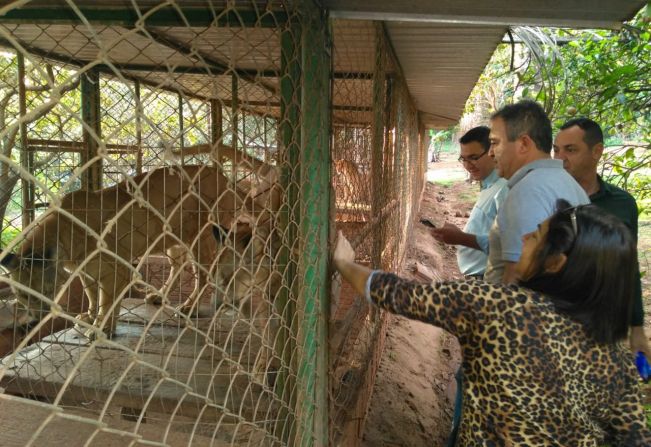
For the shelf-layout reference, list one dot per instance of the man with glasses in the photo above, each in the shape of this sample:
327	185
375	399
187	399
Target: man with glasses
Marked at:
580	144
521	143
472	242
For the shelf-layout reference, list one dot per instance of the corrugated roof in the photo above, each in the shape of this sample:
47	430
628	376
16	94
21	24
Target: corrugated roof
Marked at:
443	46
441	64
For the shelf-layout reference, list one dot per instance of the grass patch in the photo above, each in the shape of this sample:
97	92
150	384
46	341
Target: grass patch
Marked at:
445	176
444	182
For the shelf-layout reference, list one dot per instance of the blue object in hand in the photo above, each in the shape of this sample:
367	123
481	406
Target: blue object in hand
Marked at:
643	366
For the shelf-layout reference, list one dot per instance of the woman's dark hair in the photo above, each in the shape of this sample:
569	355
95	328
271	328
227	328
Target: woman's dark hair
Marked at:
596	284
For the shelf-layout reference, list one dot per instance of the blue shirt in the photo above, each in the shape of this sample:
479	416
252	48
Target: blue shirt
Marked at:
493	192
533	192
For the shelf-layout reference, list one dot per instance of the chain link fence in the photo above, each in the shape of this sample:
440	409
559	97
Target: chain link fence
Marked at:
170	178
378	167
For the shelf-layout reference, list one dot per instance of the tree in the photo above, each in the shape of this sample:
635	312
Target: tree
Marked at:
602	74
41	81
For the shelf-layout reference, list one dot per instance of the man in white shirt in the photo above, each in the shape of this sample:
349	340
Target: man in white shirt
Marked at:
472	242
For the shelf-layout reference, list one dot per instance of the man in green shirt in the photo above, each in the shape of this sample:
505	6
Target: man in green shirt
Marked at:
580	144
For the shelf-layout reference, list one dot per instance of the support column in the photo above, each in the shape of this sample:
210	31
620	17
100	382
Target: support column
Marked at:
379	140
216	132
91	178
181	129
314	298
26	156
139	114
289	134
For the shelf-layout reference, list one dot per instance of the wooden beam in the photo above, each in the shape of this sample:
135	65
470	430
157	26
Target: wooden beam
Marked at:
167	16
187	50
91	115
26	159
105	69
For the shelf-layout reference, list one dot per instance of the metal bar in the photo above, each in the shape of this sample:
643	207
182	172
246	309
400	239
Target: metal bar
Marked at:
316	53
216	123
26	159
214	70
200	68
169	16
234	110
90	111
378	142
181	124
37	144
139	114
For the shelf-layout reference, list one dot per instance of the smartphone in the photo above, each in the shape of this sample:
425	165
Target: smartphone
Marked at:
427	222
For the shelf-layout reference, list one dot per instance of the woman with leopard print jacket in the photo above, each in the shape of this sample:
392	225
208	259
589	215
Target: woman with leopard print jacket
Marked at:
544	362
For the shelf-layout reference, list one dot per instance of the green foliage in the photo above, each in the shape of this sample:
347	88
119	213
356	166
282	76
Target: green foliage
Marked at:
162	119
7	235
601	74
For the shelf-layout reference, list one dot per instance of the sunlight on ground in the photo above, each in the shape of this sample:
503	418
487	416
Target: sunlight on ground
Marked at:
446	171
437	174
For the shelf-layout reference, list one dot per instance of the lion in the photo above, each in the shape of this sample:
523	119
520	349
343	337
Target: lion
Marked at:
97	236
349	183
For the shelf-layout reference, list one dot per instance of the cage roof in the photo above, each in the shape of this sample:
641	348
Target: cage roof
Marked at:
441	47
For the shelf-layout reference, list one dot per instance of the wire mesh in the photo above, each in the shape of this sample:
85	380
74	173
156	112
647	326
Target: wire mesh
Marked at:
165	196
377	179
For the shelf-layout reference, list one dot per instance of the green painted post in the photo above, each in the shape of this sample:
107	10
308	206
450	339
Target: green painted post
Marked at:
380	132
316	54
288	220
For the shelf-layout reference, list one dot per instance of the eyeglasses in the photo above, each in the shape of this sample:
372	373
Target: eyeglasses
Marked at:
471	158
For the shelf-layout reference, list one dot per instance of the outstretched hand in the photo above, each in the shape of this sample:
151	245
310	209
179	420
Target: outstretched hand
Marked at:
343	258
343	250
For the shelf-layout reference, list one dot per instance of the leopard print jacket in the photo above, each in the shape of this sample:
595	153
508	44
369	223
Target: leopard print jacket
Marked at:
532	377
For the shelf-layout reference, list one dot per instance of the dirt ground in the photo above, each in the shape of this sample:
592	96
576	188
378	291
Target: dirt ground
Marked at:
412	400
414	391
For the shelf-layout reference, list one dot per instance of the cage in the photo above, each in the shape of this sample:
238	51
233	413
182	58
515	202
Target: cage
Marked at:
172	174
